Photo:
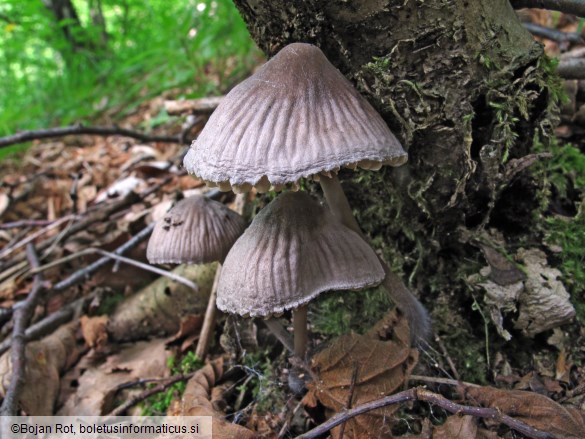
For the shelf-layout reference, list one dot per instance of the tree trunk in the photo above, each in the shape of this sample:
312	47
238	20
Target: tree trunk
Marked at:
464	87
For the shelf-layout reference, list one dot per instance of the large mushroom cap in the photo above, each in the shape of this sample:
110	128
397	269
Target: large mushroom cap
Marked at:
197	230
294	250
296	117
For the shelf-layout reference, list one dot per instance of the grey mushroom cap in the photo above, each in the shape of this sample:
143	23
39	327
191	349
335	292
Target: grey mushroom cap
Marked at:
294	250
197	230
295	117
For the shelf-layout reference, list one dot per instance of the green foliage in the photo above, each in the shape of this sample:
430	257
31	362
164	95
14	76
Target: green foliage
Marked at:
569	234
145	48
564	175
340	312
158	404
263	382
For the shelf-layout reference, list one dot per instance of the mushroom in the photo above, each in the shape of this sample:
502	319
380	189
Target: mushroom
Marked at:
299	117
294	250
197	230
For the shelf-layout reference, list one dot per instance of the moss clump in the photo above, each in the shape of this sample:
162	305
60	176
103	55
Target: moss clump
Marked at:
158	404
264	384
341	312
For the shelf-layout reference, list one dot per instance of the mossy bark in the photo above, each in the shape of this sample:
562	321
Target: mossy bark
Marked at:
463	86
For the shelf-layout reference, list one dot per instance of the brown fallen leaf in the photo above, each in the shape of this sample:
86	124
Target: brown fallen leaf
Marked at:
94	331
197	398
379	367
96	387
534	409
45	361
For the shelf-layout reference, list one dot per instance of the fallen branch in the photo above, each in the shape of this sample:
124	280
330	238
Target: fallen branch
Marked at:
553	34
193	106
51	322
574	7
66	313
421	394
22	316
571	69
27	136
116	257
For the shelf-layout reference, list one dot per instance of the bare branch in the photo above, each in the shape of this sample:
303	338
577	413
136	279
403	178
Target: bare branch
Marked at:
575	7
572	69
193	106
27	136
553	34
22	316
421	394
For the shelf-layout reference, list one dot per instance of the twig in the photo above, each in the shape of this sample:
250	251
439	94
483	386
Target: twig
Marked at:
274	325
553	34
349	396
574	7
66	313
22	316
27	136
119	411
437	380
448	357
35	235
209	320
571	69
102	214
117	257
26	223
203	105
421	394
187	129
49	323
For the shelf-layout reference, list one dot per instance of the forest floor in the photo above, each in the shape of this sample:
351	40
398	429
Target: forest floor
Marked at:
102	338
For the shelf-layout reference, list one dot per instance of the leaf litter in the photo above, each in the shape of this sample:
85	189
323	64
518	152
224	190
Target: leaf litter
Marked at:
80	175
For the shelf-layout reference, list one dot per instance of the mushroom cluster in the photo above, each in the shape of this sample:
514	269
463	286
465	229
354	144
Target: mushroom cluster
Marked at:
296	117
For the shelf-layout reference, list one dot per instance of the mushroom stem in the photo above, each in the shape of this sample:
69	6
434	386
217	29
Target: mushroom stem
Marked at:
300	331
209	320
415	312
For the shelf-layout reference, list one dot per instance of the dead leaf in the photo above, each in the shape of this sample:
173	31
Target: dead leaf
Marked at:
94	331
534	409
188	331
380	368
45	361
457	427
196	401
97	384
545	303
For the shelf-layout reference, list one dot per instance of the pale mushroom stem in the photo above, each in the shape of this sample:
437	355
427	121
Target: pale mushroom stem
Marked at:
300	331
415	312
209	319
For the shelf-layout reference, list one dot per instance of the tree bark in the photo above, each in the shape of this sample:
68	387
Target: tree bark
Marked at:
463	86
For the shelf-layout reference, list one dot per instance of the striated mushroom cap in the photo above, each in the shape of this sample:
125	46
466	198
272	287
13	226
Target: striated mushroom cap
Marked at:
197	230
294	250
296	117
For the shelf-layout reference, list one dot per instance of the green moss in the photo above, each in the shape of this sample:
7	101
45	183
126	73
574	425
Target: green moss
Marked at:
158	404
264	383
340	312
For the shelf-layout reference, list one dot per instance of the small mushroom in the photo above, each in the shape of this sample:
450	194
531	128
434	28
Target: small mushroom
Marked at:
197	230
294	250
